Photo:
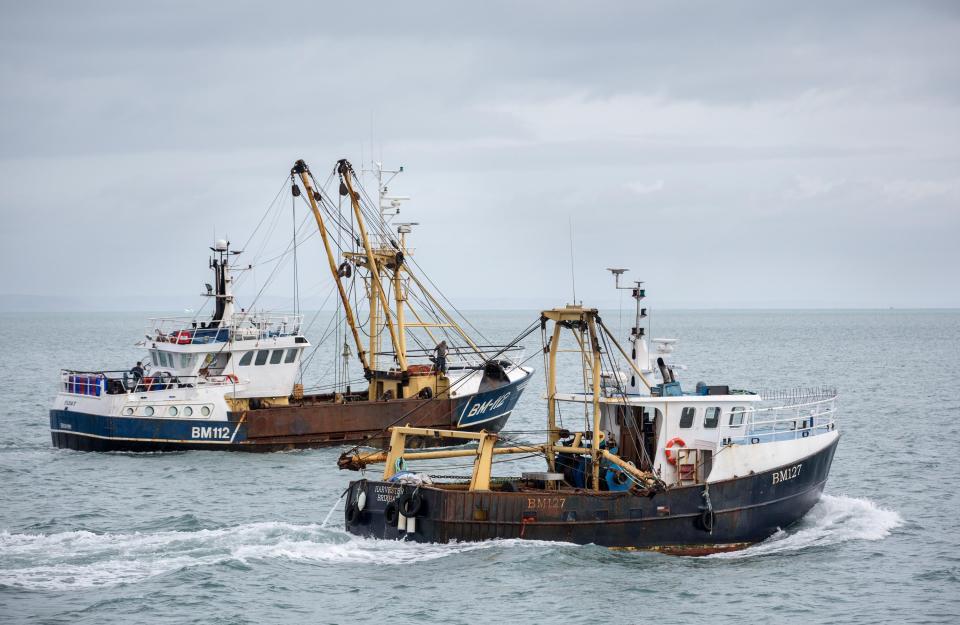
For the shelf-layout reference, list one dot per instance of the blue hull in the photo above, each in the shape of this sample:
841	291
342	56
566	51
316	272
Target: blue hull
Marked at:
89	432
488	410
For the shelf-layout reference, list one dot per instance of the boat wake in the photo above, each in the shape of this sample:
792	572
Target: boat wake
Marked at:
835	519
81	559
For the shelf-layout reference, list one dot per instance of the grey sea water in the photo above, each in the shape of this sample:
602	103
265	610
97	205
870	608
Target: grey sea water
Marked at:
205	537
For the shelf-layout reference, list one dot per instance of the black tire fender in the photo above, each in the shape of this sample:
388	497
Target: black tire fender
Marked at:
353	513
391	513
708	519
411	504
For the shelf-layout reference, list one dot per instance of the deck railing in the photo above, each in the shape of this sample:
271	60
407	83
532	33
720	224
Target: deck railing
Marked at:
239	327
119	382
806	412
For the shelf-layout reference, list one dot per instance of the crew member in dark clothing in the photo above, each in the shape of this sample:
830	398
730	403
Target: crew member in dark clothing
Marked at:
137	372
441	357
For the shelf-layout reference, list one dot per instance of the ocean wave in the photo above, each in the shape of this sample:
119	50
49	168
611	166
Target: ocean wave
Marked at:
83	559
835	519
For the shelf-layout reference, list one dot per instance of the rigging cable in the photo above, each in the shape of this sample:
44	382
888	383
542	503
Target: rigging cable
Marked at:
529	330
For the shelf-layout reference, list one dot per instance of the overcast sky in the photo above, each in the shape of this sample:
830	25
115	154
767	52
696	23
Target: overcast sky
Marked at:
730	154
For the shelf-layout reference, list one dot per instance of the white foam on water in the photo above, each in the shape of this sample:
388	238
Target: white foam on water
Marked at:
81	559
833	520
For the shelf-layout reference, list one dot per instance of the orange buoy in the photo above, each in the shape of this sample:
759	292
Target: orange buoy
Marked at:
670	444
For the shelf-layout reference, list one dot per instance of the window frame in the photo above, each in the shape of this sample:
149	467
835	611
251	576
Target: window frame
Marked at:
688	415
246	359
738	411
291	355
259	362
276	356
711	423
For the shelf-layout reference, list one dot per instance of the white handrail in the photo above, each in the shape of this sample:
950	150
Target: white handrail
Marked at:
819	416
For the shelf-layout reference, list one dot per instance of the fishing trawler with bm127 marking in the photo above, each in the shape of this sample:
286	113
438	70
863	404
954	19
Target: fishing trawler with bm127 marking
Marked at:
231	381
653	465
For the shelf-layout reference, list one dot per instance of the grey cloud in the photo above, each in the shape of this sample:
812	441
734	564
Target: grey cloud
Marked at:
804	144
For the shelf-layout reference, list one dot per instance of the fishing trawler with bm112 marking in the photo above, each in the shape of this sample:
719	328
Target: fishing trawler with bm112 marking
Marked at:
231	381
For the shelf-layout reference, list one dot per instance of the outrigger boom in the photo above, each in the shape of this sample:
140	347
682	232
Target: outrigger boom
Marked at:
480	480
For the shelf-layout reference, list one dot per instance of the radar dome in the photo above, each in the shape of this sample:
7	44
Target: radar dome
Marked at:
221	245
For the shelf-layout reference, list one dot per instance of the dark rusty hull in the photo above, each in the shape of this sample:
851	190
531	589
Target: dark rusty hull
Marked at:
312	424
744	511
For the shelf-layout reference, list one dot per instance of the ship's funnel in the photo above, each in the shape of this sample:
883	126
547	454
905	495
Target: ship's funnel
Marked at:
665	372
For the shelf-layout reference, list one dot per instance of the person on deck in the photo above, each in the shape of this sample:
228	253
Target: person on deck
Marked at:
137	373
440	360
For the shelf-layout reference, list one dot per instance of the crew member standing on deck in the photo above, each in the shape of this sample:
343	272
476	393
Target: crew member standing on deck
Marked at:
440	360
137	372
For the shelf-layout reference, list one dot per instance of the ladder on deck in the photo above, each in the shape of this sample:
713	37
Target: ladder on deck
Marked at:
688	466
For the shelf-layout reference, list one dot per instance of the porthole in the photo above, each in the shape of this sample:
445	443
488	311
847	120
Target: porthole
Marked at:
205	411
148	411
128	411
187	411
173	411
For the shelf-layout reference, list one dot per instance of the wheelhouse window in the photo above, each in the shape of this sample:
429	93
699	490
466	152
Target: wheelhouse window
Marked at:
262	356
246	359
153	357
276	357
686	417
291	355
186	360
711	417
736	416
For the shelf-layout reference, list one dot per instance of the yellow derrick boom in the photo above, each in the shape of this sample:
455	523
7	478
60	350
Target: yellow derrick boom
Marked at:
575	318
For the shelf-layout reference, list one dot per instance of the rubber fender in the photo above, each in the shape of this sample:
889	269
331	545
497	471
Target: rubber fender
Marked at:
353	513
707	520
411	504
391	513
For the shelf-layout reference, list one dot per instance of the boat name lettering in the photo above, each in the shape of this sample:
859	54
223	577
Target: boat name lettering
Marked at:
199	431
70	402
545	503
786	474
65	426
490	404
386	493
